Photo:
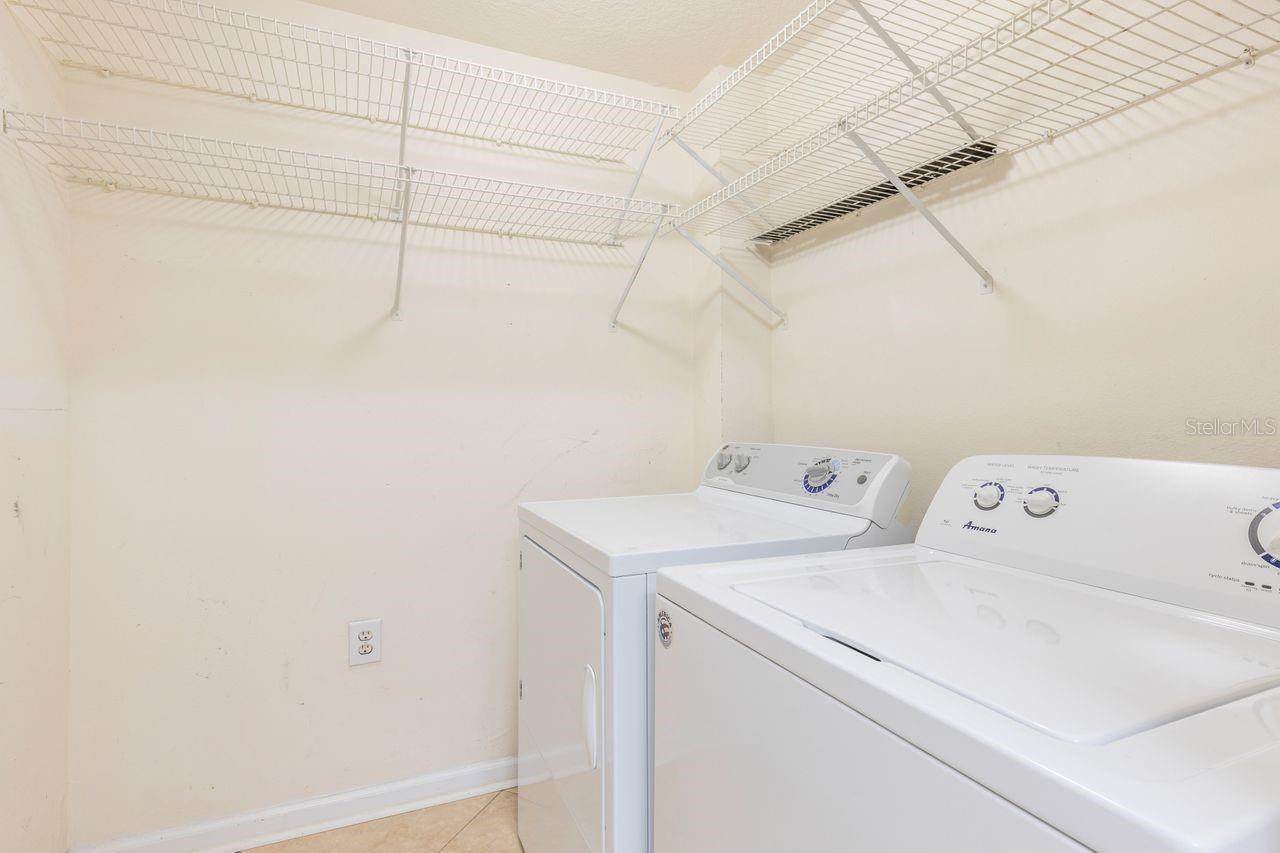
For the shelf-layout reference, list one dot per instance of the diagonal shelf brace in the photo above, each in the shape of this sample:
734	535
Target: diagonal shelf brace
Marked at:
698	158
406	195
987	283
406	173
724	182
635	271
635	180
733	274
932	88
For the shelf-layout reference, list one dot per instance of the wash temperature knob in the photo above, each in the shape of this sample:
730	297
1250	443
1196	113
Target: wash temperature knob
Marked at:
1041	502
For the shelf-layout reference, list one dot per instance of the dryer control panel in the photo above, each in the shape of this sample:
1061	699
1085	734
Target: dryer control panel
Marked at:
854	482
1203	536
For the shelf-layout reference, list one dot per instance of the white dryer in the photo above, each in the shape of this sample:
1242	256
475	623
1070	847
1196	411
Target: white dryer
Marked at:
586	600
1077	654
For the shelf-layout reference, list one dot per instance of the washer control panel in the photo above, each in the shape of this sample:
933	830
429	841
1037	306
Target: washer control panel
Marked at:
1203	536
854	482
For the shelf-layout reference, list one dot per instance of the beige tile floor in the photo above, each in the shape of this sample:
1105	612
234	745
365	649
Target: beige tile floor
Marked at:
484	824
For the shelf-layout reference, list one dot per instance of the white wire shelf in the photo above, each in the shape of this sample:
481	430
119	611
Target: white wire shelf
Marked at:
465	203
152	161
1055	66
198	46
823	64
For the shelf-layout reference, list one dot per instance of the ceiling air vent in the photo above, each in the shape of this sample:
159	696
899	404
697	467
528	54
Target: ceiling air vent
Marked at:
945	165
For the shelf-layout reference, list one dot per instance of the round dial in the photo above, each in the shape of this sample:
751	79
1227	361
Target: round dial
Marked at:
1041	502
722	460
1264	534
819	476
988	496
740	463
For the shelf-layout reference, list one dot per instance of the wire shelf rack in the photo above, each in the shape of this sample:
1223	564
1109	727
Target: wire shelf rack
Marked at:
465	203
1052	67
823	64
128	158
198	46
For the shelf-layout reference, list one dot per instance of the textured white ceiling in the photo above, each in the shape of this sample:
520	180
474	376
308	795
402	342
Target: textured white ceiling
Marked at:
672	43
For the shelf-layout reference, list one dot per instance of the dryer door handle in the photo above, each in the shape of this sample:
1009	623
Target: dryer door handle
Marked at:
589	714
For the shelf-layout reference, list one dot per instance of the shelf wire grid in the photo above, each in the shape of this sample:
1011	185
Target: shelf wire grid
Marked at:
825	63
198	46
466	203
1055	66
152	161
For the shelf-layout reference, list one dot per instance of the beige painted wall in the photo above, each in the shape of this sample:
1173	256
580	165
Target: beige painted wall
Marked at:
260	457
1137	286
732	357
33	474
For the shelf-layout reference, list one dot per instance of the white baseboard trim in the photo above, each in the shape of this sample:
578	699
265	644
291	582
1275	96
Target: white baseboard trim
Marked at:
252	829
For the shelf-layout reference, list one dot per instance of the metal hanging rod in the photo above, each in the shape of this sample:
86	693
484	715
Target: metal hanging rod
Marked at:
198	46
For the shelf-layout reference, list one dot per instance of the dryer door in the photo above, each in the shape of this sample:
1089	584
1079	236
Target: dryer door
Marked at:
561	793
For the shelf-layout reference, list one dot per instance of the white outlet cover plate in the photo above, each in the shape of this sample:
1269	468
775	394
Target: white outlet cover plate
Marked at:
355	641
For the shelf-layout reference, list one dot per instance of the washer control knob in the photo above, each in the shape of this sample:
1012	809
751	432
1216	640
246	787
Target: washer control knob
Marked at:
722	460
740	463
1041	502
988	495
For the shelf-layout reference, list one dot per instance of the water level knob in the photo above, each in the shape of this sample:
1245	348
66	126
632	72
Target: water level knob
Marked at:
988	496
722	460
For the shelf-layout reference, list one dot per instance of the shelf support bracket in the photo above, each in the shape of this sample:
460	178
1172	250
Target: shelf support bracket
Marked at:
635	271
733	274
698	158
635	180
756	219
932	88
406	195
867	151
406	180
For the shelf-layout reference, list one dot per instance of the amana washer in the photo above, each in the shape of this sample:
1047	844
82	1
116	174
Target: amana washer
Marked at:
1077	654
586	601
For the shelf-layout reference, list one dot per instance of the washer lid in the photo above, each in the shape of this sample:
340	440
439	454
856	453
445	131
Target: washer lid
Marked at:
1077	662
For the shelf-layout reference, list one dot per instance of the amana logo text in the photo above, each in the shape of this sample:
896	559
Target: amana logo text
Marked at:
969	525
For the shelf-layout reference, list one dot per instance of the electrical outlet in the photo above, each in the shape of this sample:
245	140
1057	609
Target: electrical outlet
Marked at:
364	641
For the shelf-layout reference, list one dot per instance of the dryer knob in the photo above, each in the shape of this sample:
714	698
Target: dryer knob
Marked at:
818	471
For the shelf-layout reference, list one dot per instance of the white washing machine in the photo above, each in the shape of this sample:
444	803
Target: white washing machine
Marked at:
1077	654
586	601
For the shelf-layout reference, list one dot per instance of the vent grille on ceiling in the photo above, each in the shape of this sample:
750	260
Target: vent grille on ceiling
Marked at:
945	165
